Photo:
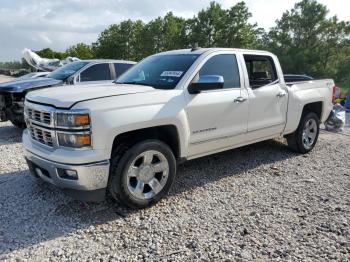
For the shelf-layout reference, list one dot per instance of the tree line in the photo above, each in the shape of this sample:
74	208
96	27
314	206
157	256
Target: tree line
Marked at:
305	39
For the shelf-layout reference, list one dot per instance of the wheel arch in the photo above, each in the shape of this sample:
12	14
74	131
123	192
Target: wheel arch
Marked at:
316	107
296	113
168	134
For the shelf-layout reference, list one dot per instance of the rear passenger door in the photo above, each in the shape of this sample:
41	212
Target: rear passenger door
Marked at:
218	118
268	97
95	74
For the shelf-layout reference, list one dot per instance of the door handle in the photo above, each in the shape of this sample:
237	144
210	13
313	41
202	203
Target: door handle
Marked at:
281	94
239	99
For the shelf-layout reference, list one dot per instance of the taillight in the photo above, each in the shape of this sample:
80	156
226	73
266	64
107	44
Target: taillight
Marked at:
334	94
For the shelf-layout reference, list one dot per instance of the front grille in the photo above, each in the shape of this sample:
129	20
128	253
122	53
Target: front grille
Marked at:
41	135
39	116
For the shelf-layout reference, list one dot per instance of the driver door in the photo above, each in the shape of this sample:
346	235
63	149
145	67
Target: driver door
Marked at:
218	118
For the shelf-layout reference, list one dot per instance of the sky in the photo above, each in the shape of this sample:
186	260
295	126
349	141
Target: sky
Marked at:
58	24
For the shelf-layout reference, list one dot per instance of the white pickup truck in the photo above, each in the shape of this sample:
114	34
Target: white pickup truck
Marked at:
127	137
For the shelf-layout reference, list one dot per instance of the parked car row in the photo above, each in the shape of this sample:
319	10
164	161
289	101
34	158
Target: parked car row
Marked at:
85	72
127	137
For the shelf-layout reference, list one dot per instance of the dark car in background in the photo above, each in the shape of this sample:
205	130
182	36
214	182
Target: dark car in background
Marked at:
12	93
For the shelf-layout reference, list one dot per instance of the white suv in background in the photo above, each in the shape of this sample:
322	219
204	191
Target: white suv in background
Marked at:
83	72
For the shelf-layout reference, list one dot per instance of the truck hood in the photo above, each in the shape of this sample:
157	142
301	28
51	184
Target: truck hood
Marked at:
28	84
67	96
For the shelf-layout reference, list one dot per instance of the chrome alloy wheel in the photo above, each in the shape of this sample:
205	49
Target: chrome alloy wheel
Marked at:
309	133
147	174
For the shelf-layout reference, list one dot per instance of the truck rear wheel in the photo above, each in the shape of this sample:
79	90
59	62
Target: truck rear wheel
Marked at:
142	174
305	137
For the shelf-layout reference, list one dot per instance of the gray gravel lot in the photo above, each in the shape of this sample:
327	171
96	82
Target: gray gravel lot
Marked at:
258	202
4	78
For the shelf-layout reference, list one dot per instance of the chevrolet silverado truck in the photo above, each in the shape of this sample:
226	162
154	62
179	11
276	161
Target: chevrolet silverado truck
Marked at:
126	138
12	93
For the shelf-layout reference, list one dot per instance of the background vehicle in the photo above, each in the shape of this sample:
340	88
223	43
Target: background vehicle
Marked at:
347	101
76	73
33	75
128	137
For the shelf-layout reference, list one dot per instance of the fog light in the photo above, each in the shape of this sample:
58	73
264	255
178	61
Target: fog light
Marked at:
67	174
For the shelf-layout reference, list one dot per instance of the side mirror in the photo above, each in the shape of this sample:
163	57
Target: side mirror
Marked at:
206	82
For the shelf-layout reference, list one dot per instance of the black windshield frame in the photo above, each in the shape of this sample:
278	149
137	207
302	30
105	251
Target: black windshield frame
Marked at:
159	71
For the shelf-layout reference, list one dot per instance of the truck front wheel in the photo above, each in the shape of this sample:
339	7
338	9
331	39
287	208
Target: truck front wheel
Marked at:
142	174
305	137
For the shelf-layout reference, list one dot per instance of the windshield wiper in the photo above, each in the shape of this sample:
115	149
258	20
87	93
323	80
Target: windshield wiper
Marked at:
132	83
125	83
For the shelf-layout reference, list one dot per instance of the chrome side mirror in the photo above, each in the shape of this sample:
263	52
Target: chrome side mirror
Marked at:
205	83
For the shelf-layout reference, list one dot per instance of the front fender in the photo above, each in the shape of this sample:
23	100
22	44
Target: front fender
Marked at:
114	116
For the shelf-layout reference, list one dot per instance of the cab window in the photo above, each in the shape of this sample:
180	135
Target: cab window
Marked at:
98	72
224	65
261	70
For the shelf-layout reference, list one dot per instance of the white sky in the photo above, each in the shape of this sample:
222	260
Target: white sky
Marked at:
57	24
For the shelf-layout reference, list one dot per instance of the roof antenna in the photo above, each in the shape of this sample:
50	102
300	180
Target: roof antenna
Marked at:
195	47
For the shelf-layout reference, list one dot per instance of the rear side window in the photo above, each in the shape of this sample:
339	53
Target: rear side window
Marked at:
121	68
261	70
225	66
97	72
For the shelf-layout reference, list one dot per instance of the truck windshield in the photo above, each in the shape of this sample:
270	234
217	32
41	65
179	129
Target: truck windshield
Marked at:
67	70
159	71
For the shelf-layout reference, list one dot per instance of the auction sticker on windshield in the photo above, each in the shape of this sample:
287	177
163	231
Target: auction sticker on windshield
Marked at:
172	73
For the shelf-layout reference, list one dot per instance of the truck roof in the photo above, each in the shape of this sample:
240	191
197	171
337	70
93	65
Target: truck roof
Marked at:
108	61
200	51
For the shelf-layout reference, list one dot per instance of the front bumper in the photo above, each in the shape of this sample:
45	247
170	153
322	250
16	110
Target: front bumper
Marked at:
91	181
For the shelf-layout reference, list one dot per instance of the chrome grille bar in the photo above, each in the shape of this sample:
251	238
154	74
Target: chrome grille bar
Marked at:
40	117
43	136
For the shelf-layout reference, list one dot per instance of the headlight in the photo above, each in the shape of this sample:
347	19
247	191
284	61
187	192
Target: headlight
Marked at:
73	120
74	140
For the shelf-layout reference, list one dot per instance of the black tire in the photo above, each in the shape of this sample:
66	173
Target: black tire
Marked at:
18	123
123	157
295	140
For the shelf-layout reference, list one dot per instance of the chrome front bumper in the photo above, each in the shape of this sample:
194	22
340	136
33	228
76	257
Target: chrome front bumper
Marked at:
91	181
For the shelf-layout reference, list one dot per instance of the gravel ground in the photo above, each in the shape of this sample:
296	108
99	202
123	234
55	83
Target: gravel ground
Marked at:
4	78
260	202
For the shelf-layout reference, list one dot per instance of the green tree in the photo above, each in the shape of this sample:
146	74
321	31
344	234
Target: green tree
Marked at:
238	31
11	65
120	41
106	45
81	50
207	27
305	39
152	37
174	32
163	34
49	53
215	26
307	42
